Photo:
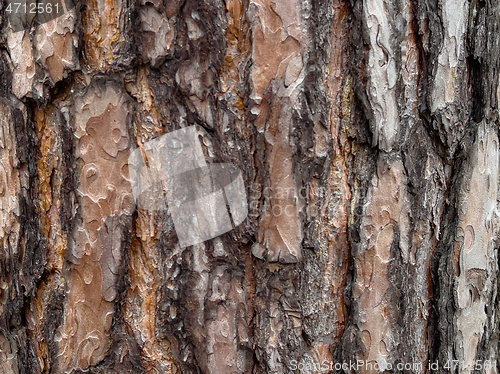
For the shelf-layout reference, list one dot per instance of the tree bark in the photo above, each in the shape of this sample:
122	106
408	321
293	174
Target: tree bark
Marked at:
367	136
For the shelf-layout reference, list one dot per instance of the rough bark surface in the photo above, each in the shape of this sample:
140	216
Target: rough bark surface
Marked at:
367	133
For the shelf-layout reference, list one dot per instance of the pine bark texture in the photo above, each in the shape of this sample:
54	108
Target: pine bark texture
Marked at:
367	134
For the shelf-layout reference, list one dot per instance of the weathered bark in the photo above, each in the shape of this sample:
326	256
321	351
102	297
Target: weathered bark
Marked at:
367	136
